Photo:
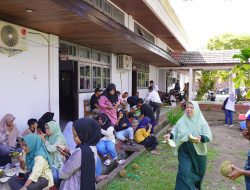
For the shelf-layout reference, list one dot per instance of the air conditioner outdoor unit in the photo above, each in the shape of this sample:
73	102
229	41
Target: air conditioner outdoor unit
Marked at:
124	62
13	37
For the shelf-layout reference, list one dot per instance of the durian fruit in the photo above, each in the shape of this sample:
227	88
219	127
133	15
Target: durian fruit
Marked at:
226	168
135	166
1	173
123	173
192	138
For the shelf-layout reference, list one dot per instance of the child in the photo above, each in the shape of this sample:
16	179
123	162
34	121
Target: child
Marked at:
32	123
142	135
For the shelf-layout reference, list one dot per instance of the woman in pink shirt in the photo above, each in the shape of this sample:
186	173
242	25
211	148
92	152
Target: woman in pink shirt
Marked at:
109	102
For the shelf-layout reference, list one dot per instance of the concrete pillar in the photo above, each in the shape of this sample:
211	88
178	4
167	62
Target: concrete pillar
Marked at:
190	84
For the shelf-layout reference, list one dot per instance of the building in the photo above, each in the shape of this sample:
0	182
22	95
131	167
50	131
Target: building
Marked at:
68	48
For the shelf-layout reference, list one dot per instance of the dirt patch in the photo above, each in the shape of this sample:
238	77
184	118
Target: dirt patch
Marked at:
228	145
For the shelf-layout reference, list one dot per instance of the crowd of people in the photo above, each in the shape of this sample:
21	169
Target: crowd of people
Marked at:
72	159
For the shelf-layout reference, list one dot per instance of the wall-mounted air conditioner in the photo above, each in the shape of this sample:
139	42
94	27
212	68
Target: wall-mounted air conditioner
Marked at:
124	62
13	36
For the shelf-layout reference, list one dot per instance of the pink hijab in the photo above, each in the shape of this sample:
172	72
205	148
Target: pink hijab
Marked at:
13	133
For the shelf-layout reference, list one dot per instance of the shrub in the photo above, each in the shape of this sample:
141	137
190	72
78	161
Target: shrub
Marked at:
173	116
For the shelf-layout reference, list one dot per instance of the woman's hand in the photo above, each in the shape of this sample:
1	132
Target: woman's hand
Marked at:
237	172
196	141
246	134
167	137
124	124
20	159
42	135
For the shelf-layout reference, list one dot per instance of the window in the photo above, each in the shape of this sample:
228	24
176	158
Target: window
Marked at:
84	52
106	58
142	32
108	9
106	77
96	56
143	80
85	77
96	77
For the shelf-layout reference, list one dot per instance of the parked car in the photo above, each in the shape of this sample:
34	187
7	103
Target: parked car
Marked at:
223	91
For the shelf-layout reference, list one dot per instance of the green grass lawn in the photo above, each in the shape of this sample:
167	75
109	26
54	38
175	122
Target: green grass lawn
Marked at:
156	172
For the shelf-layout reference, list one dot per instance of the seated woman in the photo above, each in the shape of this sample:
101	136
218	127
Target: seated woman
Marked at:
78	172
8	138
106	146
37	163
124	128
142	135
71	144
52	140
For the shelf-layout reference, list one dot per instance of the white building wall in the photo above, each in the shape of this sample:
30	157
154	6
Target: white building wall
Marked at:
24	80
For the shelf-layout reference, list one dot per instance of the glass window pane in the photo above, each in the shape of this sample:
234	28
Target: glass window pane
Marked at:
82	71
82	85
87	71
87	83
94	71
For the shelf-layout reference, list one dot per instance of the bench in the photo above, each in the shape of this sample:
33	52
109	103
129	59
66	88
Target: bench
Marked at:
87	111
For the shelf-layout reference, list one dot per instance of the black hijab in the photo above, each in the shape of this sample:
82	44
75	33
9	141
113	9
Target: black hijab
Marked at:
47	117
123	120
112	98
89	132
106	123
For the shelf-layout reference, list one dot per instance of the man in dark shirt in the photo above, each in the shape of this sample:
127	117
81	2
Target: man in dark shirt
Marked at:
146	110
94	107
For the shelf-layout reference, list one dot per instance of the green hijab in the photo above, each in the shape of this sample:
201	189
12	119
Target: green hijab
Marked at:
36	148
196	125
56	133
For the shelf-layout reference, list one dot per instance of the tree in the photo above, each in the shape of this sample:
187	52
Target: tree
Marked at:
229	41
242	70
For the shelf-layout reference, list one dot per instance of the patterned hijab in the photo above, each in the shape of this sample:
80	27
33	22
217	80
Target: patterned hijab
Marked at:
13	133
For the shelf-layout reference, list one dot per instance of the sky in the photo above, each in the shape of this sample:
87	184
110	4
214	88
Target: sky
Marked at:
204	19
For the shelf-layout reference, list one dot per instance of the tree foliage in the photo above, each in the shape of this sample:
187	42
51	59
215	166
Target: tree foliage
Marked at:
242	70
206	82
229	41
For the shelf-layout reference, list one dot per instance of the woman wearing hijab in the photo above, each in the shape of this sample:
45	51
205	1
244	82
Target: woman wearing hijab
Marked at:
229	107
8	137
47	117
124	128
37	163
109	102
53	139
78	172
8	130
142	135
192	154
106	146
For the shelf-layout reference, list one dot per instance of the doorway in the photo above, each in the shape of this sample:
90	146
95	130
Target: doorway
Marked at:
68	91
134	82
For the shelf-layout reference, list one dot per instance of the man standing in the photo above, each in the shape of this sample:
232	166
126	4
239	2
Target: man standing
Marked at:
155	86
177	86
154	101
94	102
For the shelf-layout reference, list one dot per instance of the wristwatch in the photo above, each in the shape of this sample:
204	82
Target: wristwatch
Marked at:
24	188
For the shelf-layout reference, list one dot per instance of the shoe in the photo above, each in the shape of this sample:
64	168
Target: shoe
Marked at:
231	126
154	152
107	162
121	162
132	143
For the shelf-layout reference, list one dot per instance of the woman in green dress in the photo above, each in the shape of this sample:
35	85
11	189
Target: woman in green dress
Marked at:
192	153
